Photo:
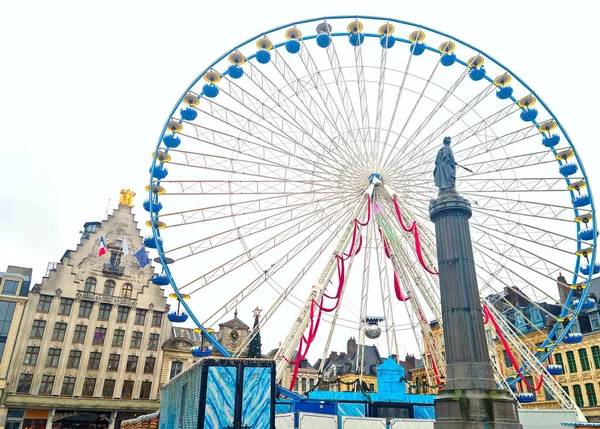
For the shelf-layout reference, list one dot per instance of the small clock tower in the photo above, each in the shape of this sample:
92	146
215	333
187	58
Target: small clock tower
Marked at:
233	333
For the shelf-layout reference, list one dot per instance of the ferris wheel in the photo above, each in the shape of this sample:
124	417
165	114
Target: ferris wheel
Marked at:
296	172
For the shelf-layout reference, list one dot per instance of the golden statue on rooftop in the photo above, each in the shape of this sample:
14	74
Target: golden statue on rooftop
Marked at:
126	197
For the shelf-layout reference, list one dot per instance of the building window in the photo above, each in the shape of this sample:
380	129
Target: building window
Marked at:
596	356
132	362
372	387
109	389
594	320
590	391
31	355
145	390
136	340
90	285
59	332
99	336
46	384
68	386
74	359
104	312
176	368
109	287
149	365
140	316
24	383
127	291
529	382
156	319
575	327
122	314
115	259
7	310
113	362
10	287
64	309
89	385
583	358
559	360
118	338
571	362
79	335
153	342
53	357
578	395
94	362
507	362
37	330
127	390
566	389
85	308
44	304
303	385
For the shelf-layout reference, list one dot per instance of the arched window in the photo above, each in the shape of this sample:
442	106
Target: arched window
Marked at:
127	290
90	285
109	287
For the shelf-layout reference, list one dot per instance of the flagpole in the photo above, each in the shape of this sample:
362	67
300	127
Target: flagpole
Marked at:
107	206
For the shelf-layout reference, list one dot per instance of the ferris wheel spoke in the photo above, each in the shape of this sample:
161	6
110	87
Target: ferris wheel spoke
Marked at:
251	254
273	135
486	148
281	264
265	225
240	166
270	145
412	140
379	107
363	105
397	105
346	100
243	208
425	144
283	100
311	104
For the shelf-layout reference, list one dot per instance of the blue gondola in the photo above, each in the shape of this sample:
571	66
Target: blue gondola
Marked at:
160	280
177	318
555	369
573	337
504	92
586	234
551	141
159	172
586	270
525	397
568	169
150	243
581	201
417	48
156	206
477	74
529	115
171	141
199	352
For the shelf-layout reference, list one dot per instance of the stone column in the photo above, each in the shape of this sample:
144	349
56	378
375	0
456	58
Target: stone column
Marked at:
50	418
471	398
113	420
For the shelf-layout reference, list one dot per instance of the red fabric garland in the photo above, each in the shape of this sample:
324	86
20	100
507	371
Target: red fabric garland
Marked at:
415	231
489	317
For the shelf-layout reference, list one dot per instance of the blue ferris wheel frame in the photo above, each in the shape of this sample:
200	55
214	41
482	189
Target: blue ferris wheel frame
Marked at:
548	344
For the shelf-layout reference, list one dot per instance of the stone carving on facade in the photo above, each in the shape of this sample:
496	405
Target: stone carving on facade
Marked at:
58	292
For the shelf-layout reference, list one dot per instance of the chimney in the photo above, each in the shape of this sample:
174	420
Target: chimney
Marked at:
563	288
411	361
351	346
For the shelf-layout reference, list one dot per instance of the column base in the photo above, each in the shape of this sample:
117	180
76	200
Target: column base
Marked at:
476	409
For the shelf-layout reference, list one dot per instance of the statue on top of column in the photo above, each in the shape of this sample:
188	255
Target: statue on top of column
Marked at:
444	175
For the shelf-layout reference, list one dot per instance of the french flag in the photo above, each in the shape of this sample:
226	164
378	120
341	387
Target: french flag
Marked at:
102	249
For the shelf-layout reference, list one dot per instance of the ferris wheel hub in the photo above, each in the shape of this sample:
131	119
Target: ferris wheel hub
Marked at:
376	179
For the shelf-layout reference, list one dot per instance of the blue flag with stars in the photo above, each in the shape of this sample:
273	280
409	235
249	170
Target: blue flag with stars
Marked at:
142	257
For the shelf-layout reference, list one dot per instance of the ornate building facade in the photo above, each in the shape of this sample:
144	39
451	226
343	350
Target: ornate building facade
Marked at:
14	287
89	349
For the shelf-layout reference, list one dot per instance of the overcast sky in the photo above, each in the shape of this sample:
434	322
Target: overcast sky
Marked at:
85	88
